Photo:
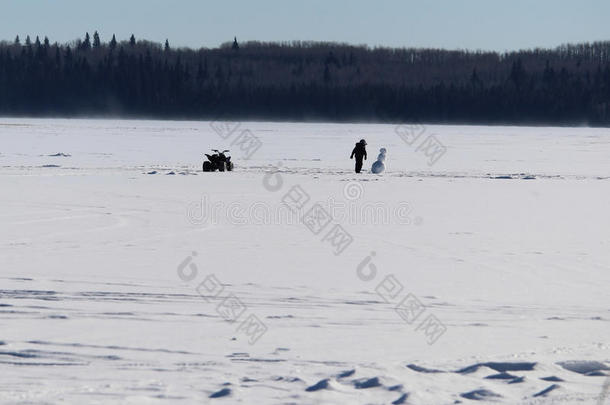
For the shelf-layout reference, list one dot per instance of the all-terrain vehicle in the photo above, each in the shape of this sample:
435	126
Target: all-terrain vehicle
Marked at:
218	161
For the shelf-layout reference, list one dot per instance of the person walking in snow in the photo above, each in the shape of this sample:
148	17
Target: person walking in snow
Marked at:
360	152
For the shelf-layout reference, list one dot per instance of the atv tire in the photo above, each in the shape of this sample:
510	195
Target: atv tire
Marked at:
207	166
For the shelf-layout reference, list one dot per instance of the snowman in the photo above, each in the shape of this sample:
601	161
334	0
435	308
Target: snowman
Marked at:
378	167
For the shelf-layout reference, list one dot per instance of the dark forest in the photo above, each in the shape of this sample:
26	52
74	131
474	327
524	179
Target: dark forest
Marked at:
568	85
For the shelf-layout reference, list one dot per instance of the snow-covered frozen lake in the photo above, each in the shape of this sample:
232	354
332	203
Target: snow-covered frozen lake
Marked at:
476	269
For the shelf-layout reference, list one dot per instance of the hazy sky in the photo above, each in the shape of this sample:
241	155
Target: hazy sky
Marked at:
473	24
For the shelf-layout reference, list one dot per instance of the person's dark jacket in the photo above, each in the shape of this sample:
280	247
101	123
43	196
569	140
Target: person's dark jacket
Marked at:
359	151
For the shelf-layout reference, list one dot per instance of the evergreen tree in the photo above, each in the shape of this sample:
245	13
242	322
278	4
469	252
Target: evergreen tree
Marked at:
132	40
112	43
57	56
17	40
235	45
96	40
68	56
86	44
39	48
566	85
517	73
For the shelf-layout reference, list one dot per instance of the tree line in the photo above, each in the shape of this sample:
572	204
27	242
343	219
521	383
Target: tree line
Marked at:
296	80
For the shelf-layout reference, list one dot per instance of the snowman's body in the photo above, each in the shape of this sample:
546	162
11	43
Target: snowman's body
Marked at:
379	167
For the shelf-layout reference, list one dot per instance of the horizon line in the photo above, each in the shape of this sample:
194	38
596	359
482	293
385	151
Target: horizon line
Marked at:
291	42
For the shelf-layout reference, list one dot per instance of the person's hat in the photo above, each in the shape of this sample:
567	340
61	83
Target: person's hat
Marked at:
363	142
